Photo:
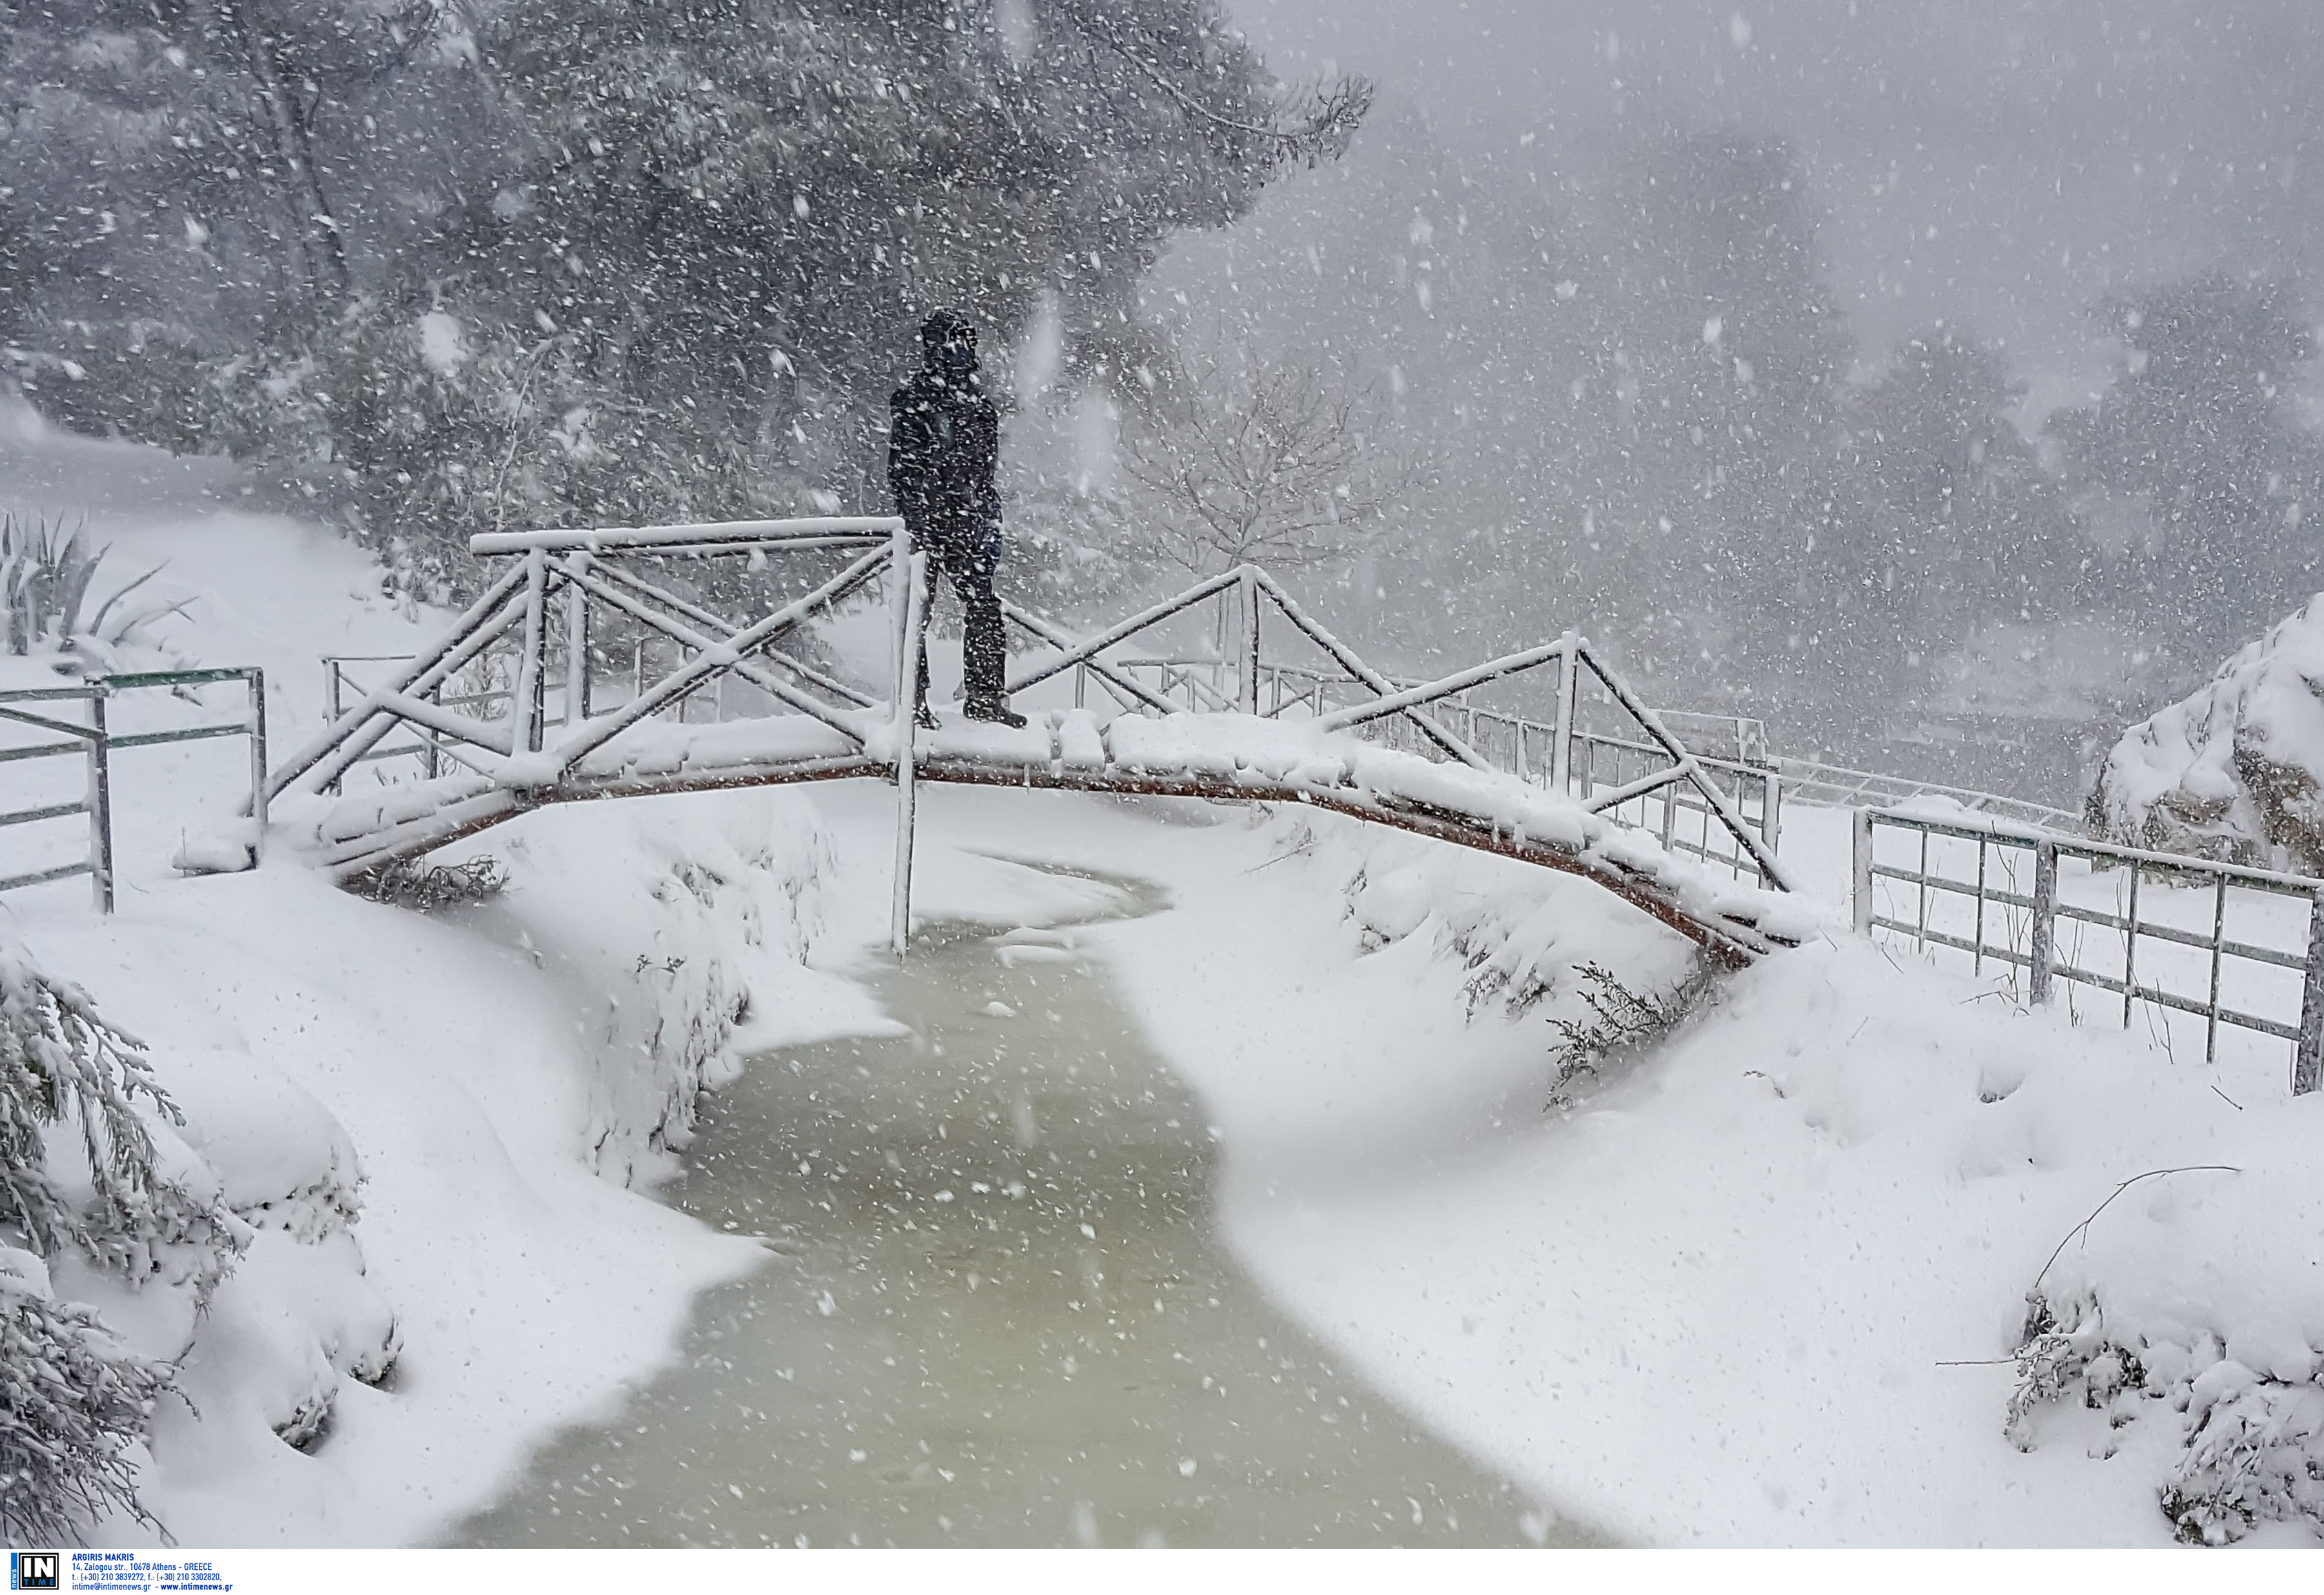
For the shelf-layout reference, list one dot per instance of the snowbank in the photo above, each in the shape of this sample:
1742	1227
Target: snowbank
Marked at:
2233	771
666	925
1765	1284
405	1111
427	1123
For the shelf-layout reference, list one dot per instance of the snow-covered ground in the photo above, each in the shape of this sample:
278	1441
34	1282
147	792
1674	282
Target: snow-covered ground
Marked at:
435	1127
1765	1285
1767	1282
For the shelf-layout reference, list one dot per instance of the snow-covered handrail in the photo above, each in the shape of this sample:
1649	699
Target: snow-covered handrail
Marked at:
819	531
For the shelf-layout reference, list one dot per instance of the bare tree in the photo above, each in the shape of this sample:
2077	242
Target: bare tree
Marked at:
1278	464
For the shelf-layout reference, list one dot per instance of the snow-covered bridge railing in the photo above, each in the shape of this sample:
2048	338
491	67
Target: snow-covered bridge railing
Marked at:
509	711
2236	948
1521	746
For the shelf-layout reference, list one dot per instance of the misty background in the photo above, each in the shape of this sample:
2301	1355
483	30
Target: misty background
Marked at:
2024	293
1934	382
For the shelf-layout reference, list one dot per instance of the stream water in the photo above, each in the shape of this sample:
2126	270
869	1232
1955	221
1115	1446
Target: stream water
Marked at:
993	1311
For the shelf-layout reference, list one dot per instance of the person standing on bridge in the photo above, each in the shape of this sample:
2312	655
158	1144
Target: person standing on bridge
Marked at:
944	445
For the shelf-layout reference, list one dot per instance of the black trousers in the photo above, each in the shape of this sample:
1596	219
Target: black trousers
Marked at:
970	563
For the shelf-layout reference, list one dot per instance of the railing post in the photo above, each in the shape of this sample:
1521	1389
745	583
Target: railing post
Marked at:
331	694
577	648
1561	746
256	680
100	803
1770	810
1860	895
915	595
900	566
2045	921
527	701
1251	645
2307	1062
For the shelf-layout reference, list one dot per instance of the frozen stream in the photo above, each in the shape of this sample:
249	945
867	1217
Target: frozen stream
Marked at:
993	1313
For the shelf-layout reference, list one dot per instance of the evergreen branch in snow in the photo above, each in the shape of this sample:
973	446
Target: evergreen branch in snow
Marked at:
75	1400
74	1405
60	1061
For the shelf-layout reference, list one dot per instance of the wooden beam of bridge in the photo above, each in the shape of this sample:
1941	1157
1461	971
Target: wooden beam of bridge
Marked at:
1220	757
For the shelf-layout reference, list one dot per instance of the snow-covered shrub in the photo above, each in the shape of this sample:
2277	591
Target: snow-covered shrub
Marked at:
714	893
2252	1448
2255	1454
300	1313
2235	772
1508	925
2186	1298
141	1213
74	1405
74	1400
1621	1021
409	884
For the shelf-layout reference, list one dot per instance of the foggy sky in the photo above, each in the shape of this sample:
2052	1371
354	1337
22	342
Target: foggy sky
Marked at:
2001	163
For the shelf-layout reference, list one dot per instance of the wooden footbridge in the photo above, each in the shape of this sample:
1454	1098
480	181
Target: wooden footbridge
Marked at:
508	711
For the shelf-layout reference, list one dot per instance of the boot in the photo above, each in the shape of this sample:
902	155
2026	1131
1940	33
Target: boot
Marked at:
993	710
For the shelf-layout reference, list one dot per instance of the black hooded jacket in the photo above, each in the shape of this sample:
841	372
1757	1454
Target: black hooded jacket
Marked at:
942	448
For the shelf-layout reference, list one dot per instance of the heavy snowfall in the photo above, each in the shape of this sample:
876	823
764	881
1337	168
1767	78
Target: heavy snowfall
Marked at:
1849	1071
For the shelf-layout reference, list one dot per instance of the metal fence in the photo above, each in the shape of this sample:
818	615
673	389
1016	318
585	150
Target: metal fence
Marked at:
2236	948
94	742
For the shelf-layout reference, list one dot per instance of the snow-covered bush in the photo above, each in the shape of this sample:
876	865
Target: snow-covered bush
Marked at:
2187	1300
142	1209
2235	772
2252	1449
74	1405
1621	1021
75	1401
410	884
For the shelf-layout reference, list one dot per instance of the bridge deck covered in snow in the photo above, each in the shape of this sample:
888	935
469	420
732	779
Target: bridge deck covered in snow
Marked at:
529	743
